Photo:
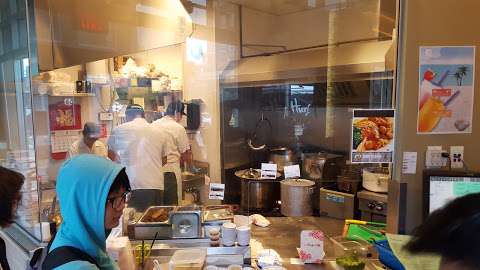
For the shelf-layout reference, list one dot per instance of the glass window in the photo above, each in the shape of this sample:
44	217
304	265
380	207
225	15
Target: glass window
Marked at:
17	150
251	77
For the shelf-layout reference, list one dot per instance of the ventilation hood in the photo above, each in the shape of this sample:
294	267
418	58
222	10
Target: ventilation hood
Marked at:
353	61
73	32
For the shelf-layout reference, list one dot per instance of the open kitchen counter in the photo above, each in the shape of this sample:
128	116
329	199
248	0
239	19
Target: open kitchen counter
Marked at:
283	236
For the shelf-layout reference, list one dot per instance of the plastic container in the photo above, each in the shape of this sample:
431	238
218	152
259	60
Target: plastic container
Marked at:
365	233
343	246
192	259
387	257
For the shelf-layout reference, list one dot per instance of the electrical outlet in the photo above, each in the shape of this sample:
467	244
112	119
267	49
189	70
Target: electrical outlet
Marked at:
434	159
105	116
456	157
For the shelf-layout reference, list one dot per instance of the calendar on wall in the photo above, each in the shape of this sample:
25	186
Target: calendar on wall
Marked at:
62	140
65	127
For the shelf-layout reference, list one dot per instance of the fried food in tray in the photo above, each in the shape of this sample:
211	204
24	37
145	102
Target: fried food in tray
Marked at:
372	133
157	215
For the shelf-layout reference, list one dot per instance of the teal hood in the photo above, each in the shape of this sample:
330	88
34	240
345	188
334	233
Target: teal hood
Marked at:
83	184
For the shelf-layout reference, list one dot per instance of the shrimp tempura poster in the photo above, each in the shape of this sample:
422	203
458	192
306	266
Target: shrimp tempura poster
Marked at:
445	96
373	132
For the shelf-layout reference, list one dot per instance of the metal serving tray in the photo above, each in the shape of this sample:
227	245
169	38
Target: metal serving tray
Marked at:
217	213
146	230
149	212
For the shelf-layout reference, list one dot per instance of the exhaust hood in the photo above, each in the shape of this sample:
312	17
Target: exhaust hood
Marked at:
350	61
74	32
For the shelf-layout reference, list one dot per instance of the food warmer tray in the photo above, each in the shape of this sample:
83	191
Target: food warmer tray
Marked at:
146	229
186	222
217	213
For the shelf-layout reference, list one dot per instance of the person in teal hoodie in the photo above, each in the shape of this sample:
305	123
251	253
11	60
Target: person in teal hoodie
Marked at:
92	192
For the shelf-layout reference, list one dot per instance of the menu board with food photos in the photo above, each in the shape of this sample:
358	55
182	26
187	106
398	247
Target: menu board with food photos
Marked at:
372	136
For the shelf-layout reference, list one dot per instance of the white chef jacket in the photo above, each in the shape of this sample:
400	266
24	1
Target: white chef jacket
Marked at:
79	147
178	135
178	144
140	149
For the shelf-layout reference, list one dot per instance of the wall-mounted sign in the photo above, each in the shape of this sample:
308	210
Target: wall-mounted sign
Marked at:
445	98
372	136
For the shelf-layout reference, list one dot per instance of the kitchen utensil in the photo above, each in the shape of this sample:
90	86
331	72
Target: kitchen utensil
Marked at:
296	197
282	156
376	179
154	239
229	234
256	193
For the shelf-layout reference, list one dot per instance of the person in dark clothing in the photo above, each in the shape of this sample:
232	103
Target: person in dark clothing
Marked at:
10	184
453	233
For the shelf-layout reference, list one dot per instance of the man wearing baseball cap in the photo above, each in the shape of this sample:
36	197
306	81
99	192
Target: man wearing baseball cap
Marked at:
89	143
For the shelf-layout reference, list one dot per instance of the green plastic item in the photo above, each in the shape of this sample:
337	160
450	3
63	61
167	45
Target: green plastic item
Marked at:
365	232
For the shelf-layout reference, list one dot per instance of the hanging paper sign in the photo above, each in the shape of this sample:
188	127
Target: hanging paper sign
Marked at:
291	171
268	171
217	191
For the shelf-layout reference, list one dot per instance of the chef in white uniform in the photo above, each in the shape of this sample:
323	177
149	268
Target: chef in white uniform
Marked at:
142	150
89	143
180	149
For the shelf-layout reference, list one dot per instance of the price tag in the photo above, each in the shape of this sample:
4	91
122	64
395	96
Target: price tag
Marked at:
269	171
217	191
292	171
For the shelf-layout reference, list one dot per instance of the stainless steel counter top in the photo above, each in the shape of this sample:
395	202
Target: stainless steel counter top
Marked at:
283	235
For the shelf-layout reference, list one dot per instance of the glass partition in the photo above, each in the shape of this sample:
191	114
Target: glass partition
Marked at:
254	76
17	148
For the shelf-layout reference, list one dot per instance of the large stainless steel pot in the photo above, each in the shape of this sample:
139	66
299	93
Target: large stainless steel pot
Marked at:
258	194
296	197
282	156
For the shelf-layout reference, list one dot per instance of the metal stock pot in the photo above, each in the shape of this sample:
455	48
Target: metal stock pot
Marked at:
257	193
296	197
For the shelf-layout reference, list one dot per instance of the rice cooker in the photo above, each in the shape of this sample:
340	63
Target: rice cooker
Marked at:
376	179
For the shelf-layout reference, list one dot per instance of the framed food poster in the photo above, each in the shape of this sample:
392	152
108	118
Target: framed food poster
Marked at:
445	92
373	134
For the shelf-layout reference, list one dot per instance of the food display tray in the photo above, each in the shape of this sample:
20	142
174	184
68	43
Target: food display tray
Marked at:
146	230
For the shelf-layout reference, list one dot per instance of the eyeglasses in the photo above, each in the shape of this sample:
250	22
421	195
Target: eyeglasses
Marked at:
119	201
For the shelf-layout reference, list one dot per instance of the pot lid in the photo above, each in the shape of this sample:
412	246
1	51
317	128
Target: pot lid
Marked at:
251	174
298	182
